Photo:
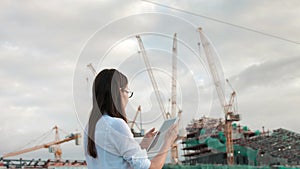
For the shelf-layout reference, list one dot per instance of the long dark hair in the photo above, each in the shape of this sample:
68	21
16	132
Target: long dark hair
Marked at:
106	99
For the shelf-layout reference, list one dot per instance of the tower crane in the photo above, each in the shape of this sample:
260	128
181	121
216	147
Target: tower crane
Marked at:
227	106
174	150
150	73
56	143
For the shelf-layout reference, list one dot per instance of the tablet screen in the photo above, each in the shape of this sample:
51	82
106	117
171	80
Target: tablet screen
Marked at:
158	139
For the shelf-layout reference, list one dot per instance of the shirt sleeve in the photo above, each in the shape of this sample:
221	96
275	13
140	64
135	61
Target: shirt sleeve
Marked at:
129	148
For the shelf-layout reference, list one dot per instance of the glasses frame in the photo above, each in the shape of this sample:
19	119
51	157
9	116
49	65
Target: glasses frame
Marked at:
129	92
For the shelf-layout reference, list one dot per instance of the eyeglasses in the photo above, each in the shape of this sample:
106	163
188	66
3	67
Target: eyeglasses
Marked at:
130	93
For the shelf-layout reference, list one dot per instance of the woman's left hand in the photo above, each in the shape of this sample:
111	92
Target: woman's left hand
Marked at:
148	138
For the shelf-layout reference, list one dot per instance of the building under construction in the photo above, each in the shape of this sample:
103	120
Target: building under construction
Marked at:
206	144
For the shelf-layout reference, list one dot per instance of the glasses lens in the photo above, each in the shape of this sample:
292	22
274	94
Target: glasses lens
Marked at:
130	94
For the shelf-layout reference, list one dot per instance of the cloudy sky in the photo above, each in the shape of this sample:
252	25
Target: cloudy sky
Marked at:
45	47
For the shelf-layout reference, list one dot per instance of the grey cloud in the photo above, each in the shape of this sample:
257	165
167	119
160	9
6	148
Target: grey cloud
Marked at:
269	73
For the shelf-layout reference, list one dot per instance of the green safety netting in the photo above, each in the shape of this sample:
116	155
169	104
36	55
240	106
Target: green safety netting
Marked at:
246	152
191	142
222	137
282	167
211	166
202	132
215	143
234	125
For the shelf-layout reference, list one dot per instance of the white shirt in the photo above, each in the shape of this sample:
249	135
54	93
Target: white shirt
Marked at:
116	147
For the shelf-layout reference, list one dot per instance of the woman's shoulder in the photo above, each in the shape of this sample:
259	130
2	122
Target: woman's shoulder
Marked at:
114	120
117	124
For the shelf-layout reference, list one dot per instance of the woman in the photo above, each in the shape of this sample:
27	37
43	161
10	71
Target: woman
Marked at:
110	143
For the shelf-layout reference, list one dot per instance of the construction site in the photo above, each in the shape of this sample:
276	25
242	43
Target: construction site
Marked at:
209	142
205	143
224	143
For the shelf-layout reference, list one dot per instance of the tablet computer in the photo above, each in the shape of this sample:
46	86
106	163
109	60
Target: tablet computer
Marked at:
159	137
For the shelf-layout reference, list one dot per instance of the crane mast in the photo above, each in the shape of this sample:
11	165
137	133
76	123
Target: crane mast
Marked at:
174	75
91	67
135	116
227	107
174	150
57	149
151	76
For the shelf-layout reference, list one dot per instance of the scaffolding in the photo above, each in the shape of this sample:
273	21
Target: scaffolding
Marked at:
205	143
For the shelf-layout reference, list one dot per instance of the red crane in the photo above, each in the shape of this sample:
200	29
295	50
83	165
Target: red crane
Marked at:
53	144
211	54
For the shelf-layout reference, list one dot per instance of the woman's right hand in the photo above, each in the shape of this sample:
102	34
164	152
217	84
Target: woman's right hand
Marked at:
170	137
